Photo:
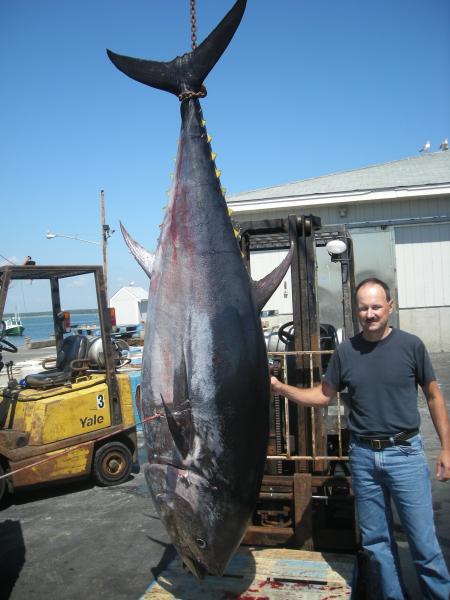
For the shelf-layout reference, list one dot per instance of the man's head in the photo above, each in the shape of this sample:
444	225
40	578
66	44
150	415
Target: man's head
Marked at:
374	305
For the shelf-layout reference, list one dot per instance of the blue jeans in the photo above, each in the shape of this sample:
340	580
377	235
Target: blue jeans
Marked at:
400	473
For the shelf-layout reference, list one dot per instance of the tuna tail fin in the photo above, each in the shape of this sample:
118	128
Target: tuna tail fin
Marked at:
185	73
265	287
143	257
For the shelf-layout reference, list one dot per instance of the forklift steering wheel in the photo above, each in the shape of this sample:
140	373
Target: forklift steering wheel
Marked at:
5	344
284	335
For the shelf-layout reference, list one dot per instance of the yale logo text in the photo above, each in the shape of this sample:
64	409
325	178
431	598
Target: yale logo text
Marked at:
90	421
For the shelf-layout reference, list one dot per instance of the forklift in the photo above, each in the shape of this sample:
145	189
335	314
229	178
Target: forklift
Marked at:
306	499
75	417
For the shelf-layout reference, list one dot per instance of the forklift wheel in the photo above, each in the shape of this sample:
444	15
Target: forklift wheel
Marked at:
112	464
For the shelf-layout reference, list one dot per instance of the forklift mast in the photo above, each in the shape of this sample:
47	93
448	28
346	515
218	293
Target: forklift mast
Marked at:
301	432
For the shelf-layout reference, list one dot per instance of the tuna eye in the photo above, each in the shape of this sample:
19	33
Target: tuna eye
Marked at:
200	543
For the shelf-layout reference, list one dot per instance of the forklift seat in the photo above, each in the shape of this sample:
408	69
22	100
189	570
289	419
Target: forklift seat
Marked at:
73	348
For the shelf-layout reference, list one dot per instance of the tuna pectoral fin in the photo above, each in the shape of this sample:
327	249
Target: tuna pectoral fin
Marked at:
144	258
187	72
179	422
265	287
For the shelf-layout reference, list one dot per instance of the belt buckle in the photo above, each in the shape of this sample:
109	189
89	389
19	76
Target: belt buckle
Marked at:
376	444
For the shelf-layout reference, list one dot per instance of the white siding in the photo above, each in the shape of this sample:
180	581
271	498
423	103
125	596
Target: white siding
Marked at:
423	265
126	307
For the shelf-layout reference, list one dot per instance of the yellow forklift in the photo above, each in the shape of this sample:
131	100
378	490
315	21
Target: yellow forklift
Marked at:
75	417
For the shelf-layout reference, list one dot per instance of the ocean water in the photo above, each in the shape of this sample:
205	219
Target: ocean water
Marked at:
40	327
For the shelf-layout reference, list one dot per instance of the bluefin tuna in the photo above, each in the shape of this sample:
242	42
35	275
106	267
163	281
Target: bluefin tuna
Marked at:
205	368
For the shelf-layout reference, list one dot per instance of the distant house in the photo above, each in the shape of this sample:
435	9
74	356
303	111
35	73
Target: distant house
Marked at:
398	215
130	304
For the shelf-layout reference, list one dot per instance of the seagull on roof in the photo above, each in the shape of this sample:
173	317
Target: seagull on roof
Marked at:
426	147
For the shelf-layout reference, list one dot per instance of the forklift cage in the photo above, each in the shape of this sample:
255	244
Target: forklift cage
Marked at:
53	274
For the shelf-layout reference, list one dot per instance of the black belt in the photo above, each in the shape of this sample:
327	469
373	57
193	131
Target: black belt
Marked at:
385	442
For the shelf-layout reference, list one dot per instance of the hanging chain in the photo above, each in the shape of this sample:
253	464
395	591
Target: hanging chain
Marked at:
187	95
193	25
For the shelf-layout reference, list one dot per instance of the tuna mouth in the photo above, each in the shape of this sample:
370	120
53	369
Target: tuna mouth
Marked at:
198	567
195	567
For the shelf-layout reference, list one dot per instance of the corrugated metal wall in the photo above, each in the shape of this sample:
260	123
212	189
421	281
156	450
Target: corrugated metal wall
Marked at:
423	265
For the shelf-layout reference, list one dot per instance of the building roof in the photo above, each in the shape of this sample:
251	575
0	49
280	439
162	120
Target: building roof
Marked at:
428	169
132	290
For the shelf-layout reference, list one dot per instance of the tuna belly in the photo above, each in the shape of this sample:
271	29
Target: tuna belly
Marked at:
204	522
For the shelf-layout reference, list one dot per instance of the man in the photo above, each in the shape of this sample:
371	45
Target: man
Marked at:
381	367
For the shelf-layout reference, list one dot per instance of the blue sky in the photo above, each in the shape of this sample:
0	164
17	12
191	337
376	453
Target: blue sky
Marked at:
305	88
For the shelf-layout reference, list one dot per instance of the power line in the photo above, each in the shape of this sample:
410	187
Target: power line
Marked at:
7	259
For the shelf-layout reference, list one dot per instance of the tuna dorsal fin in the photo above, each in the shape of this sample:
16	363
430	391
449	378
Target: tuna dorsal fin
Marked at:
187	72
265	287
144	258
179	423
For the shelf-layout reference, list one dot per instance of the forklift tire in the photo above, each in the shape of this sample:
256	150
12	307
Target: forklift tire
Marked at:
112	464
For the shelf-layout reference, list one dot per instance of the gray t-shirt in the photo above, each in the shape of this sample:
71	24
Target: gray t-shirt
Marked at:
381	378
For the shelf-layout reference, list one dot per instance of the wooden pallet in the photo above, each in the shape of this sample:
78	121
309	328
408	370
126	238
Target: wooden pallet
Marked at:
261	574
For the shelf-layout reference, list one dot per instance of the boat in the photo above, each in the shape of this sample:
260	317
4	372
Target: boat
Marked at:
13	325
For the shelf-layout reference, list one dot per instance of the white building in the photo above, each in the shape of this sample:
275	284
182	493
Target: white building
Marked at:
130	304
399	210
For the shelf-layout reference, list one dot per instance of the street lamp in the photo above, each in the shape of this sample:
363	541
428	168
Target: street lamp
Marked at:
50	235
107	232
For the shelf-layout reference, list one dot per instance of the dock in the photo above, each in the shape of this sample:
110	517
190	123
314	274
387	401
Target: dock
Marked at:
261	574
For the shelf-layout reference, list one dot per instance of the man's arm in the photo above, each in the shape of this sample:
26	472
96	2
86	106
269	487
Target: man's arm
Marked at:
321	395
439	416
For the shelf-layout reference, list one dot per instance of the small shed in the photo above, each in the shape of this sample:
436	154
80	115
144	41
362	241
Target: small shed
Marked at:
130	304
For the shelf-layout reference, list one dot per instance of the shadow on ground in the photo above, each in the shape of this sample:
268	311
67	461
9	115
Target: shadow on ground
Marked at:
12	556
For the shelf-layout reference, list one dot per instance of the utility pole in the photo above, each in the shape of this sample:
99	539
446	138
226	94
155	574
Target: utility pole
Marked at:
106	234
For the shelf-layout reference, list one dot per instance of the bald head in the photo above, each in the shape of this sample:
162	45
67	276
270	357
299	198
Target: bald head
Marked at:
374	281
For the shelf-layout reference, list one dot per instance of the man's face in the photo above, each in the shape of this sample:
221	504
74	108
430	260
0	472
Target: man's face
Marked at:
373	310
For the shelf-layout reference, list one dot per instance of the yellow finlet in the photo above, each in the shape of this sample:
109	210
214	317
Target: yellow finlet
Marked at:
218	173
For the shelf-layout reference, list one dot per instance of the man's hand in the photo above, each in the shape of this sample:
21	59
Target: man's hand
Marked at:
276	385
320	395
439	416
443	466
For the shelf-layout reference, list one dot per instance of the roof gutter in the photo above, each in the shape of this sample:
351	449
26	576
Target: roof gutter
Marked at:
327	199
